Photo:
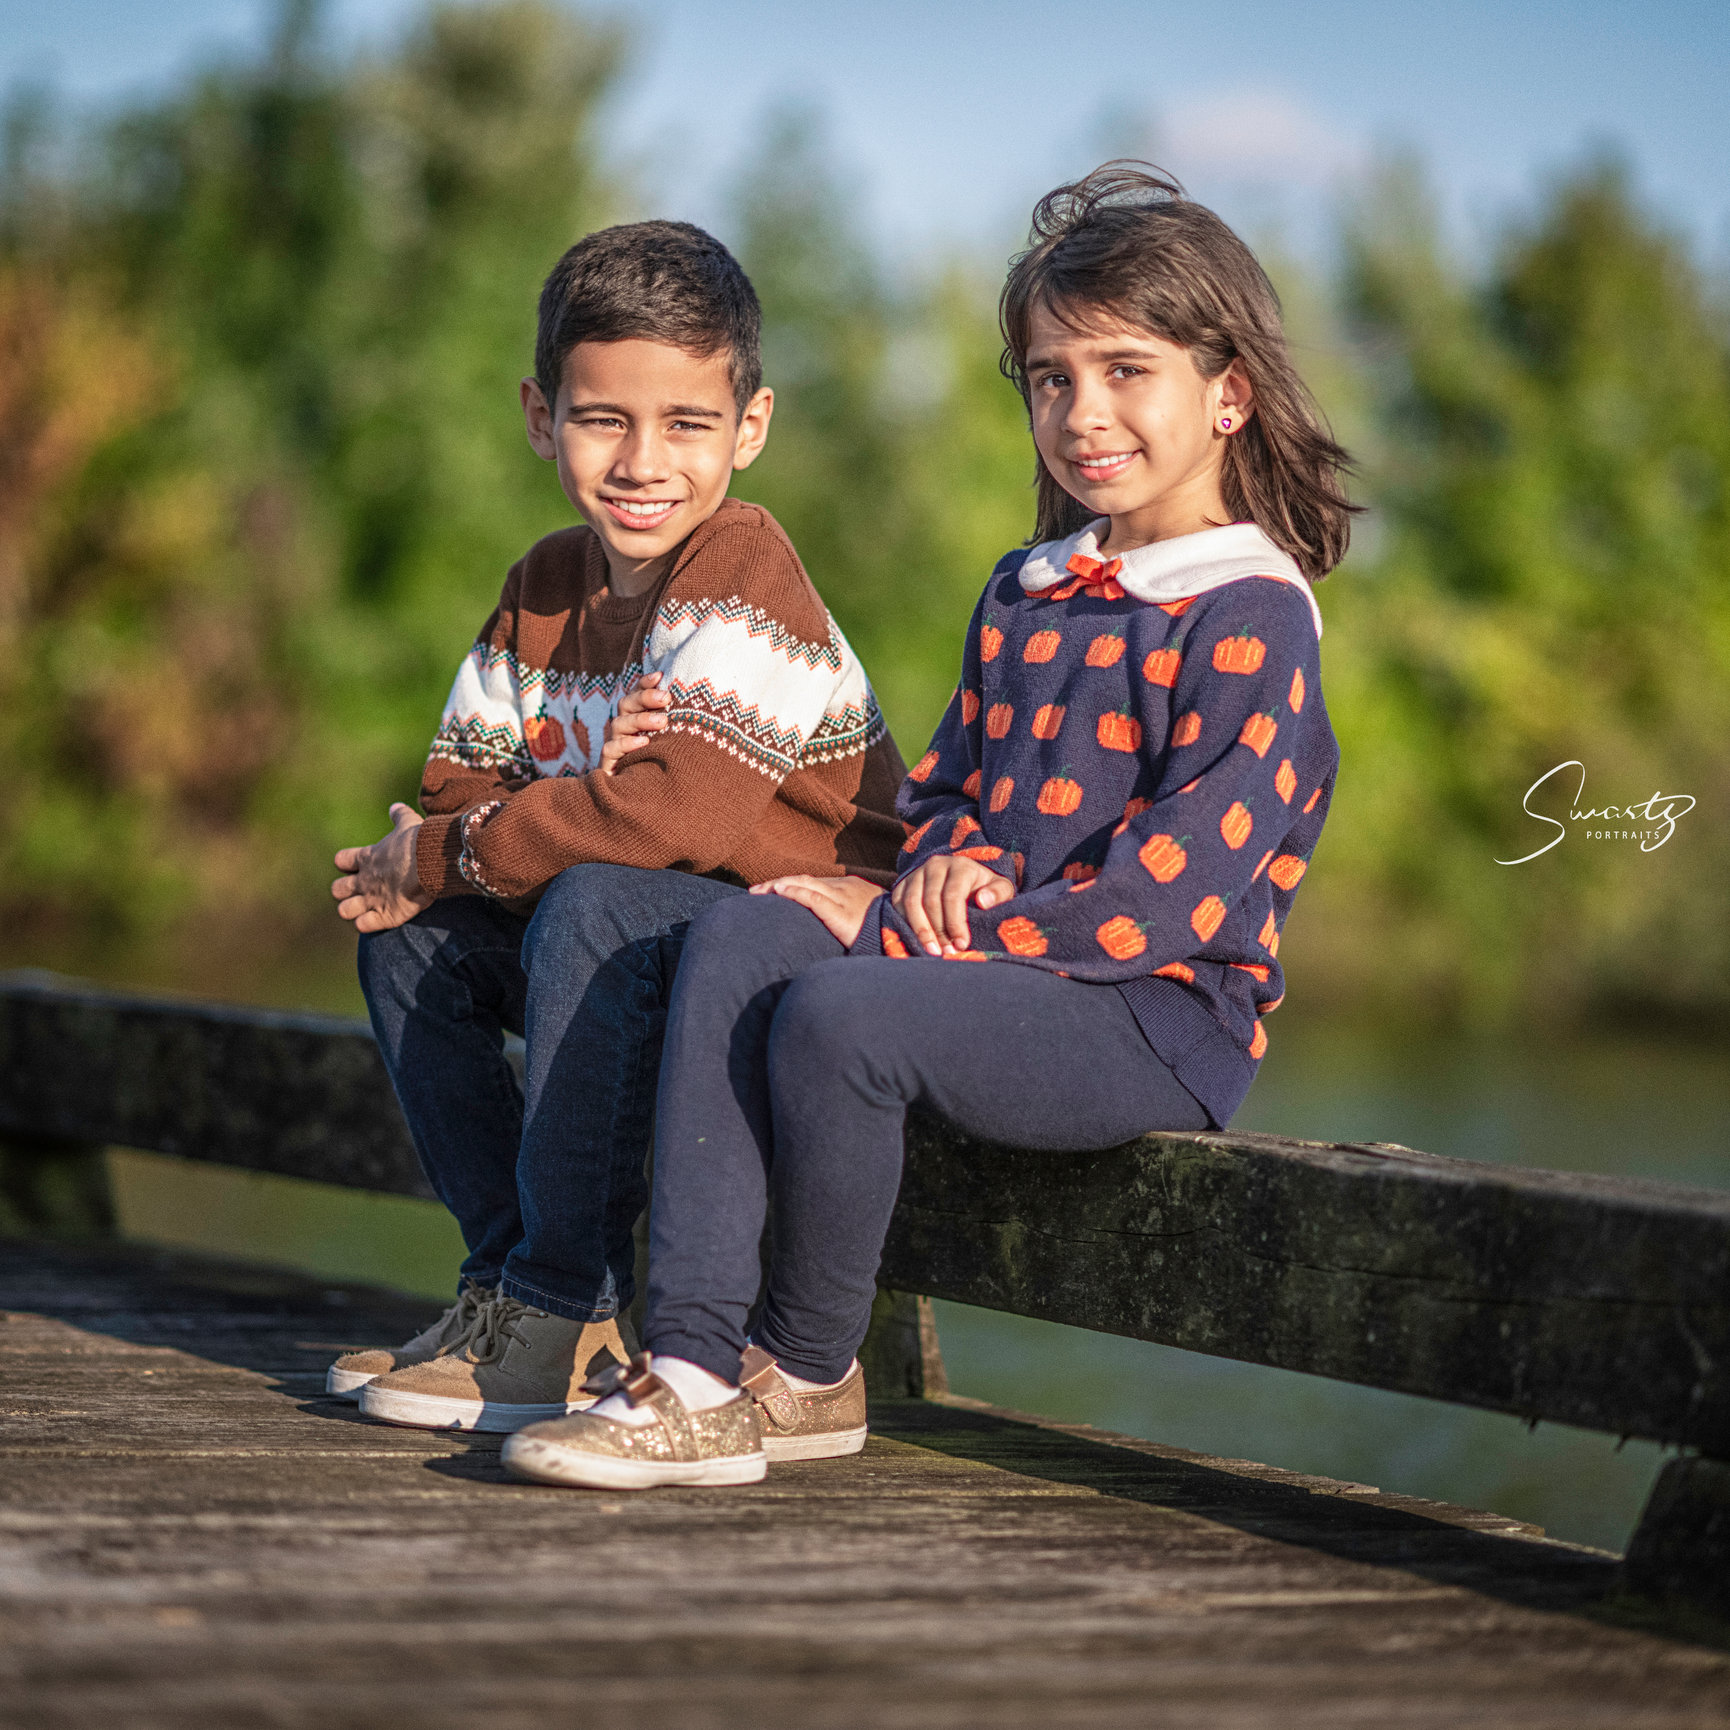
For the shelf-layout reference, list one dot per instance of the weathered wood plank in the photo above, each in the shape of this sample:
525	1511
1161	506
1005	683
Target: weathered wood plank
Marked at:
192	1539
1680	1553
303	1095
1601	1302
1595	1301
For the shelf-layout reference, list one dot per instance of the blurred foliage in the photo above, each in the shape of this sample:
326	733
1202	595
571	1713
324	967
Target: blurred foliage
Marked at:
1550	459
899	460
262	469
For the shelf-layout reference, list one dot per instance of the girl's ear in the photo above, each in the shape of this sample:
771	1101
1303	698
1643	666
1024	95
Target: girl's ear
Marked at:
1233	399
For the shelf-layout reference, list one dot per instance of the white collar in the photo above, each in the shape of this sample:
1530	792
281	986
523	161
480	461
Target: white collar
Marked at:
1175	569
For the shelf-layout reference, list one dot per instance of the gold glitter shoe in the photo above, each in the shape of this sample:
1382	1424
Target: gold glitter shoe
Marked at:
808	1424
676	1446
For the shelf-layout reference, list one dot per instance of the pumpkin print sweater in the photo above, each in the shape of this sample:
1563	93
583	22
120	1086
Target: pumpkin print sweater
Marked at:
775	757
1140	745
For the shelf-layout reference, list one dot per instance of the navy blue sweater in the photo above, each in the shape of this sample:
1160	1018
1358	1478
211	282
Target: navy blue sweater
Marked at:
1152	777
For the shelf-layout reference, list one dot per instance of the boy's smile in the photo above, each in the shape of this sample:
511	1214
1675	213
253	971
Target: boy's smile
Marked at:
1127	426
646	437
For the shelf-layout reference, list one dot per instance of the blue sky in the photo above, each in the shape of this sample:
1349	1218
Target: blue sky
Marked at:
950	116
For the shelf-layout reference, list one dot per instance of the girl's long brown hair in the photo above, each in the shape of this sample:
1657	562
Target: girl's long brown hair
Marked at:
1126	241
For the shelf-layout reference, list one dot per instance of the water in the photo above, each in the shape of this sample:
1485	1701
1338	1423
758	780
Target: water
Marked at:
1628	1106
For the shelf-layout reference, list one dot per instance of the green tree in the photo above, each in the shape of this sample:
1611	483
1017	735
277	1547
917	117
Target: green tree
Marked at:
1549	463
235	590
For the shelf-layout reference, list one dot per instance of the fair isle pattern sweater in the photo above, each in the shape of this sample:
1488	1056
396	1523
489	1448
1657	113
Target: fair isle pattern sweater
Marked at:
775	758
1141	746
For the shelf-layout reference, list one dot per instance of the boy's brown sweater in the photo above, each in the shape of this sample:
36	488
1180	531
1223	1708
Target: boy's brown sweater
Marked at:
775	758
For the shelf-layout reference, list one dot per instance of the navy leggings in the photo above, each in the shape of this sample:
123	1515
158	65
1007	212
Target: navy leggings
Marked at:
787	1072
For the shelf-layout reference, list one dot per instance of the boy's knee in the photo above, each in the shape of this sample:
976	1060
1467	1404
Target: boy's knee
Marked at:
581	912
388	962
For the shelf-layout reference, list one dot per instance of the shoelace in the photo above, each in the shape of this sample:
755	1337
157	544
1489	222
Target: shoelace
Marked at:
460	1317
494	1326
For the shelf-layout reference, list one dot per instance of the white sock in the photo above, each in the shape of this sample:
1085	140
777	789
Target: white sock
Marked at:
697	1390
800	1386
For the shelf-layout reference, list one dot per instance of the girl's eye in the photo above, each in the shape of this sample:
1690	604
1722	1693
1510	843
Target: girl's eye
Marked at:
1125	370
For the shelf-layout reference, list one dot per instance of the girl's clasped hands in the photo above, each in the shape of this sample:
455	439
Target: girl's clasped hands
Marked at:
932	899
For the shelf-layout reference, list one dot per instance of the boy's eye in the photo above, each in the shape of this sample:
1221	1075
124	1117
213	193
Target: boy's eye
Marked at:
1052	380
602	421
689	426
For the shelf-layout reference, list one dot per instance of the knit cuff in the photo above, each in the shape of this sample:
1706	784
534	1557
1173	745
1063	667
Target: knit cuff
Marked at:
438	845
469	826
870	938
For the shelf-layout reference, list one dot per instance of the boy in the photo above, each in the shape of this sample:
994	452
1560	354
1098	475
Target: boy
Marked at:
547	893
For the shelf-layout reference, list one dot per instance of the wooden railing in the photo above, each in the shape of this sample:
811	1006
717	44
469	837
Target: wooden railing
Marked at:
1593	1301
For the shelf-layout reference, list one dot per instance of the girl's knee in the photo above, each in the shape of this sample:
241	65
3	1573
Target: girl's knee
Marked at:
823	1025
741	926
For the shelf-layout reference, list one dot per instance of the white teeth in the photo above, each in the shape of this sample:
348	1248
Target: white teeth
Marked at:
653	509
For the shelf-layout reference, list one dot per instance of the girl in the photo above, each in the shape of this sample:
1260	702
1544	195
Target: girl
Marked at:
1115	815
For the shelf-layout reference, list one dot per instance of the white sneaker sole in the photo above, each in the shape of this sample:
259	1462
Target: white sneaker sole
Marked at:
830	1445
436	1412
544	1462
345	1384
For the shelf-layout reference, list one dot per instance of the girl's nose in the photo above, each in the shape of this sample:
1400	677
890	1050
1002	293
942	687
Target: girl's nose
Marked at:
1089	406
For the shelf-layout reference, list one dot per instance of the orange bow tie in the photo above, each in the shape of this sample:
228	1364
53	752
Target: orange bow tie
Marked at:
1093	577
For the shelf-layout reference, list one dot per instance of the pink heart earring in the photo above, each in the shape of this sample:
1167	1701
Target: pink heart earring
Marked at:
1225	423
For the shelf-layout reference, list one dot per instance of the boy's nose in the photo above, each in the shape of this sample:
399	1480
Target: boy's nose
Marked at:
642	461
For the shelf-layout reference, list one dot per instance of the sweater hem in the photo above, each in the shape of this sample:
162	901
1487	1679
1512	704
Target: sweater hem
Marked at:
1192	1043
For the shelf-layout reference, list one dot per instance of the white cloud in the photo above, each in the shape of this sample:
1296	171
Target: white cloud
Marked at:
1264	137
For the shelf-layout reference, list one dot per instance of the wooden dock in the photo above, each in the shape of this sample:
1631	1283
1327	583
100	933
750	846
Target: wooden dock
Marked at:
192	1536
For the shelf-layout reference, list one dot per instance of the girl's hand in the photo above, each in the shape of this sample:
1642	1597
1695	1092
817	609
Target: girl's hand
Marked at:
641	716
381	888
933	899
840	902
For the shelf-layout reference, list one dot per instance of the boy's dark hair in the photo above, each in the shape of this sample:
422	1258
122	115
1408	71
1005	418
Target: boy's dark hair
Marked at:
655	282
1126	241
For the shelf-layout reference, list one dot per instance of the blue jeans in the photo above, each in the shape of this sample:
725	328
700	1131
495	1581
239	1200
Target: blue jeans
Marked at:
789	1069
546	1180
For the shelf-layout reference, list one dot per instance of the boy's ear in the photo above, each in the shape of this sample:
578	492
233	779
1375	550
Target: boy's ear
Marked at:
538	416
753	428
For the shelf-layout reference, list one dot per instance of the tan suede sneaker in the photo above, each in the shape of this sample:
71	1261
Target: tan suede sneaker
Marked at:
353	1370
676	1446
797	1425
515	1366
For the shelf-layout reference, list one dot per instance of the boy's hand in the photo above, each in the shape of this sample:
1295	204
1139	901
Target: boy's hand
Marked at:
382	888
641	716
933	899
840	902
